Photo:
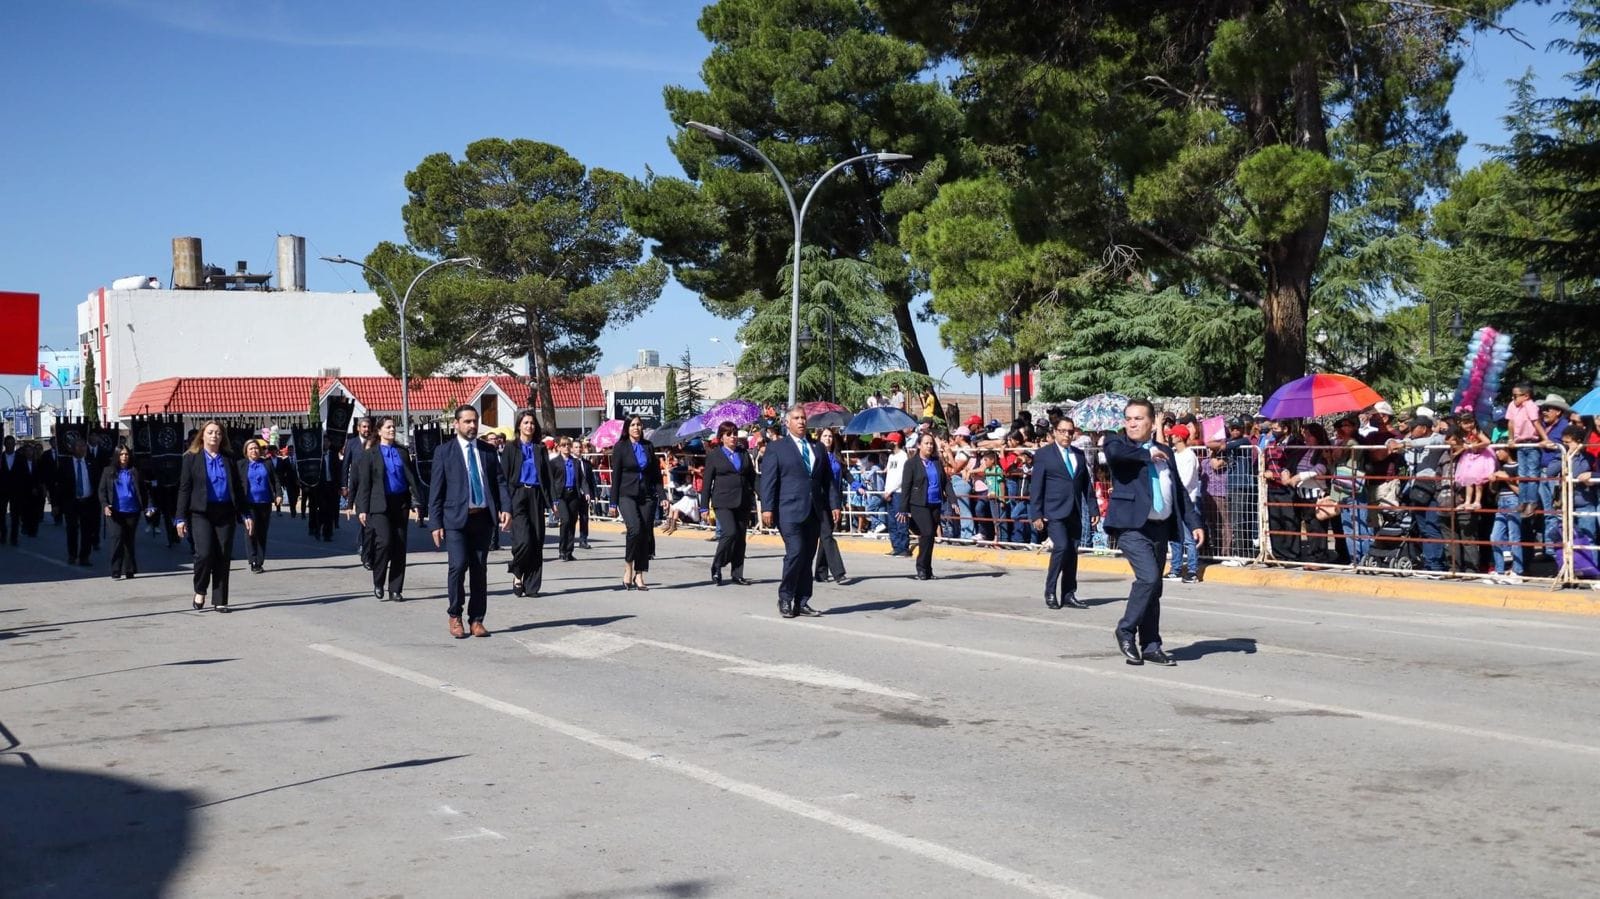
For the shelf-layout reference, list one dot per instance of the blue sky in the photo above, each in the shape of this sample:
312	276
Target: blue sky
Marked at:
130	122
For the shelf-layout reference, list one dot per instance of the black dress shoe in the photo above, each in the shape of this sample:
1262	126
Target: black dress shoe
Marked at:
786	607
221	608
1050	602
743	581
1129	651
516	588
716	577
820	577
378	592
804	608
395	597
1158	657
1073	601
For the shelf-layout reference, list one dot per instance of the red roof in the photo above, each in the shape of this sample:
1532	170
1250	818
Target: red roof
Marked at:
292	395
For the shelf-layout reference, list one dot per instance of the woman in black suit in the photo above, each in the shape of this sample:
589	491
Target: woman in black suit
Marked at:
260	479
922	494
124	499
731	483
636	489
211	502
525	463
386	492
829	559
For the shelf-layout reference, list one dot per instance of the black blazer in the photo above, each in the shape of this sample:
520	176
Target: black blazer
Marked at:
108	489
372	484
555	475
626	477
193	495
244	477
914	483
727	487
511	468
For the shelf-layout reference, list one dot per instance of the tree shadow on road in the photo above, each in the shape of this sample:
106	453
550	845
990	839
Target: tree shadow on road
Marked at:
883	606
601	621
677	889
1202	648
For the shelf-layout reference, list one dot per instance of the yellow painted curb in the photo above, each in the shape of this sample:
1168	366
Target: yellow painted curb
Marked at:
1533	598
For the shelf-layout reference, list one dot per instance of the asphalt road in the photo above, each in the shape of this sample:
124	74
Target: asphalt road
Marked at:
949	738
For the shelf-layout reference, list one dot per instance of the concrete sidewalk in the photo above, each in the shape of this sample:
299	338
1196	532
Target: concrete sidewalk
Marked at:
1533	597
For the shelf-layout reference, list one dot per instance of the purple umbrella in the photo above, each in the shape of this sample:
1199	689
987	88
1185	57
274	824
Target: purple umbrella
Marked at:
740	412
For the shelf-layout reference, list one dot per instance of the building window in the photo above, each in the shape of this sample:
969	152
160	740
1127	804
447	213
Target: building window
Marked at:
489	410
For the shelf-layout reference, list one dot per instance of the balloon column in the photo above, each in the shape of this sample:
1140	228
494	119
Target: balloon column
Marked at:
1487	355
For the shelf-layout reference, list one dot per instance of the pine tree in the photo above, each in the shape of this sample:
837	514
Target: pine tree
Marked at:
91	398
691	390
669	405
314	412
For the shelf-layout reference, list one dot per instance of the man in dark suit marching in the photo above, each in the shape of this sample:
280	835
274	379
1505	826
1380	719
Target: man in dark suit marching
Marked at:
796	491
1148	506
1059	492
469	499
354	449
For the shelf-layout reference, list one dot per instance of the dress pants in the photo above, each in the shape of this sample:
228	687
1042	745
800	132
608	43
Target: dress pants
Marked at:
262	513
1145	548
83	520
1284	522
527	537
124	525
213	532
799	554
292	493
828	557
1063	559
16	503
571	507
389	543
638	516
364	541
467	578
324	511
925	521
731	525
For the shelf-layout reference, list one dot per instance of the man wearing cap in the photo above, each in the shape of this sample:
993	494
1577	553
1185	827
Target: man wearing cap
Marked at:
1058	493
893	472
1424	452
1553	414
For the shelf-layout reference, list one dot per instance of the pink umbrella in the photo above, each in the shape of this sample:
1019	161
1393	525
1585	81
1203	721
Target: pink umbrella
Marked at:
606	436
818	407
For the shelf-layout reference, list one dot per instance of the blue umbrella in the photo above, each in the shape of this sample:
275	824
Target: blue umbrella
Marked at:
1589	404
880	420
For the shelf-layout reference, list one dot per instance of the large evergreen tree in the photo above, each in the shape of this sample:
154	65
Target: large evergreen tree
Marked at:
557	265
811	83
1195	136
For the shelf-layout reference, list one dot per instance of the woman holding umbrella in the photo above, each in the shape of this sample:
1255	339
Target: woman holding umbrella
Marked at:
828	557
636	491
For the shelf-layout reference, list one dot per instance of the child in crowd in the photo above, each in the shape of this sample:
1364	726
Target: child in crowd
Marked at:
1475	464
1505	540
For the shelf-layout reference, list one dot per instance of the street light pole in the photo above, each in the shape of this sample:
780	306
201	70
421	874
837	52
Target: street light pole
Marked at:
798	215
400	307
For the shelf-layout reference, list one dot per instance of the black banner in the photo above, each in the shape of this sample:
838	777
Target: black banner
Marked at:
425	440
648	405
308	454
337	422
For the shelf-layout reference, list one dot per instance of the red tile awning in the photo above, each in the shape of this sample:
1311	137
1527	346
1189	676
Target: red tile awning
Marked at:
292	395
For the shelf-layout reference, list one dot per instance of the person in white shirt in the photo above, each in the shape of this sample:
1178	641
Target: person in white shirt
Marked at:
893	472
1183	554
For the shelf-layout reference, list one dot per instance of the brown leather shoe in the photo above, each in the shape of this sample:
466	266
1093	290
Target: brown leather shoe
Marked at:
455	628
478	630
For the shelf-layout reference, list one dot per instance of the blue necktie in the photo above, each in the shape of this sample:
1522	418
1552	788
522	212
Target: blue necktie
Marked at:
805	453
1158	501
1066	456
475	479
569	474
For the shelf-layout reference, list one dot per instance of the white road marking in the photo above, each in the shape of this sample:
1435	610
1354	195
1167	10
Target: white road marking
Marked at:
1173	684
1171	637
481	833
445	810
596	644
944	855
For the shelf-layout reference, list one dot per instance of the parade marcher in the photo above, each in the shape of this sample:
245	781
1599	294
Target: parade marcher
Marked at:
78	487
260	487
523	462
923	489
830	562
353	470
1058	492
1148	505
123	499
636	491
50	464
386	494
469	499
797	492
566	486
590	486
324	515
731	485
16	483
893	476
289	477
211	502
